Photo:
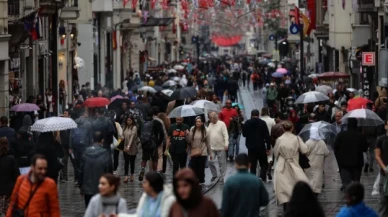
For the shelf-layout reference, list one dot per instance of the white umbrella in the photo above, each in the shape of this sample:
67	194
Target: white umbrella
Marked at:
365	117
324	89
271	65
352	90
147	89
176	79
185	111
179	67
312	75
53	124
206	104
167	92
310	97
171	71
169	83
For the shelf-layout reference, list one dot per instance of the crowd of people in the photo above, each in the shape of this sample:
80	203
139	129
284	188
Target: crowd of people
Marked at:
139	127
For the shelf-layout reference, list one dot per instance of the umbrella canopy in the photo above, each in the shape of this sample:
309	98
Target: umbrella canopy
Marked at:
171	71
185	111
176	78
331	75
351	90
158	88
324	89
25	107
324	130
117	103
96	102
147	89
357	103
183	93
272	65
365	117
282	70
179	67
310	97
115	97
277	75
168	92
206	104
53	124
237	104
169	83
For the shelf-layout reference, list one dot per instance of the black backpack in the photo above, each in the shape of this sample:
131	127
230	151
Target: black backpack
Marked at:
147	136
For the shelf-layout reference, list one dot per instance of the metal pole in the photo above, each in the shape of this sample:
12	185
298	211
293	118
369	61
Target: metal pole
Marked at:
301	50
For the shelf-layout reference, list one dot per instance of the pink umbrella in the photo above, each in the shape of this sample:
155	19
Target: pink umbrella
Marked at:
282	70
115	97
25	107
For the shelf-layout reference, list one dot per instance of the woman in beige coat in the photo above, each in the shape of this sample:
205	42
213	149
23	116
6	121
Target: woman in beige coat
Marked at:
131	140
287	170
317	152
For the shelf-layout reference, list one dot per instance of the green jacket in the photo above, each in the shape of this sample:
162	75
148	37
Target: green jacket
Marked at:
272	94
243	195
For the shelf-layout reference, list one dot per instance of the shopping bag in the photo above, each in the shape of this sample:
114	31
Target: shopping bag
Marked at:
376	186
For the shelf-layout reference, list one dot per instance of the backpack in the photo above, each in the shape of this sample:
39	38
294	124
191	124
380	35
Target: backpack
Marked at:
78	136
147	136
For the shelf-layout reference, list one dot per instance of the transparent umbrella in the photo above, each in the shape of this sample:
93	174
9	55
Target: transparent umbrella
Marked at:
324	89
365	118
310	97
206	105
325	131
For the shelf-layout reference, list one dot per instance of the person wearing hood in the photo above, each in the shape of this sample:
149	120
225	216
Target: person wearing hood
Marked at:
190	201
317	152
22	148
95	162
257	142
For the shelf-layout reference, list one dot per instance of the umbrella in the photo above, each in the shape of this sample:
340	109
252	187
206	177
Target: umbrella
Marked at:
237	104
185	111
183	93
147	89
158	88
171	71
277	75
313	76
176	79
25	107
167	92
272	65
116	97
365	117
96	102
206	104
351	90
53	124
357	103
310	97
331	75
136	87
325	130
169	83
117	103
179	67
324	89
282	70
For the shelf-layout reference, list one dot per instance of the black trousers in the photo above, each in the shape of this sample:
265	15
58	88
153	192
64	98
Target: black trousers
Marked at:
198	166
255	156
116	159
164	159
349	175
129	159
78	152
179	161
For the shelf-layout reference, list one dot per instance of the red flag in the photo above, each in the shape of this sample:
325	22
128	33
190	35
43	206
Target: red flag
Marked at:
125	2
297	16
134	3
313	13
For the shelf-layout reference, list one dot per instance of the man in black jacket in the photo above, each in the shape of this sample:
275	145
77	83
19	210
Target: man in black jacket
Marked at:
258	143
95	162
105	126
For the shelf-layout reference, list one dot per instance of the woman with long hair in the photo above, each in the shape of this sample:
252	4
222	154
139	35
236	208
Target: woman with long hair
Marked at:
108	202
167	123
9	171
199	148
303	202
234	131
130	146
190	201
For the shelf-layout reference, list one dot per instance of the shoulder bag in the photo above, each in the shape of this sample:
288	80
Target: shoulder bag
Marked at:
17	212
303	160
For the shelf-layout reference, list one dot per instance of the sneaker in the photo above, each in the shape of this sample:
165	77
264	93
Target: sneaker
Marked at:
213	178
141	176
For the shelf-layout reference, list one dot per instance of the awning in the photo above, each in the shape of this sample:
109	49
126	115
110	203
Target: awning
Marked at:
152	21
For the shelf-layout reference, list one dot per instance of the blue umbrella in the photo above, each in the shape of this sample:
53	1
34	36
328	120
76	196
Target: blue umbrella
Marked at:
277	75
237	104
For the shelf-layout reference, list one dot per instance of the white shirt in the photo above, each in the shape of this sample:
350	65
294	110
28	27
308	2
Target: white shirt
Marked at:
218	136
269	121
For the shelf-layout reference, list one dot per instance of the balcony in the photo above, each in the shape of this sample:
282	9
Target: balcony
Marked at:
49	7
366	6
70	11
102	6
14	8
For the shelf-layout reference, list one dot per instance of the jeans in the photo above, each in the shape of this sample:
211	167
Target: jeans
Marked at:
234	146
255	156
179	161
198	166
129	159
221	156
349	175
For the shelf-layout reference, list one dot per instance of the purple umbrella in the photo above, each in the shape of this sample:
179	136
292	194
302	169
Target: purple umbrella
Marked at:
25	107
115	97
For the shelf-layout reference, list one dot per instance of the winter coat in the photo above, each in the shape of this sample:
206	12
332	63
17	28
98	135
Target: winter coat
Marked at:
357	210
7	132
106	205
317	152
349	147
84	123
168	200
22	149
107	127
95	162
9	171
257	135
288	171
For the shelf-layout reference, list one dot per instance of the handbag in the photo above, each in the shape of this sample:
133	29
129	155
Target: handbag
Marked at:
17	212
303	159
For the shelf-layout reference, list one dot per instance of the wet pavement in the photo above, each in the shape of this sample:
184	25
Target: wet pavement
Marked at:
72	203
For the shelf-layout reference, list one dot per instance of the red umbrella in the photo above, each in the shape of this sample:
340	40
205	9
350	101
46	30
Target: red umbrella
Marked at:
96	102
357	103
330	75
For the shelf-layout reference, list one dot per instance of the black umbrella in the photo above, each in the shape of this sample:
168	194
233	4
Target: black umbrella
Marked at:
158	88
117	103
183	93
136	87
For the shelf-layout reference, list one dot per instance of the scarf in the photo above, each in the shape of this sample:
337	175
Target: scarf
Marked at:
147	211
108	201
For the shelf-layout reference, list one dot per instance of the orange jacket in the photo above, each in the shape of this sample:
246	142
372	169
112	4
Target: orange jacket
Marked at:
44	203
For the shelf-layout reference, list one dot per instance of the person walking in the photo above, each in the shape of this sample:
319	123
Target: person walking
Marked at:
95	162
227	113
288	172
108	202
270	123
355	205
35	194
258	143
178	144
189	199
381	155
131	140
199	148
5	130
243	193
303	202
234	131
167	123
219	142
9	173
160	147
317	152
65	143
272	95
349	147
105	126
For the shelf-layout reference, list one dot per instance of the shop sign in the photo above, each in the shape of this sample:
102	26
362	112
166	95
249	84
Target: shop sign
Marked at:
365	82
368	59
